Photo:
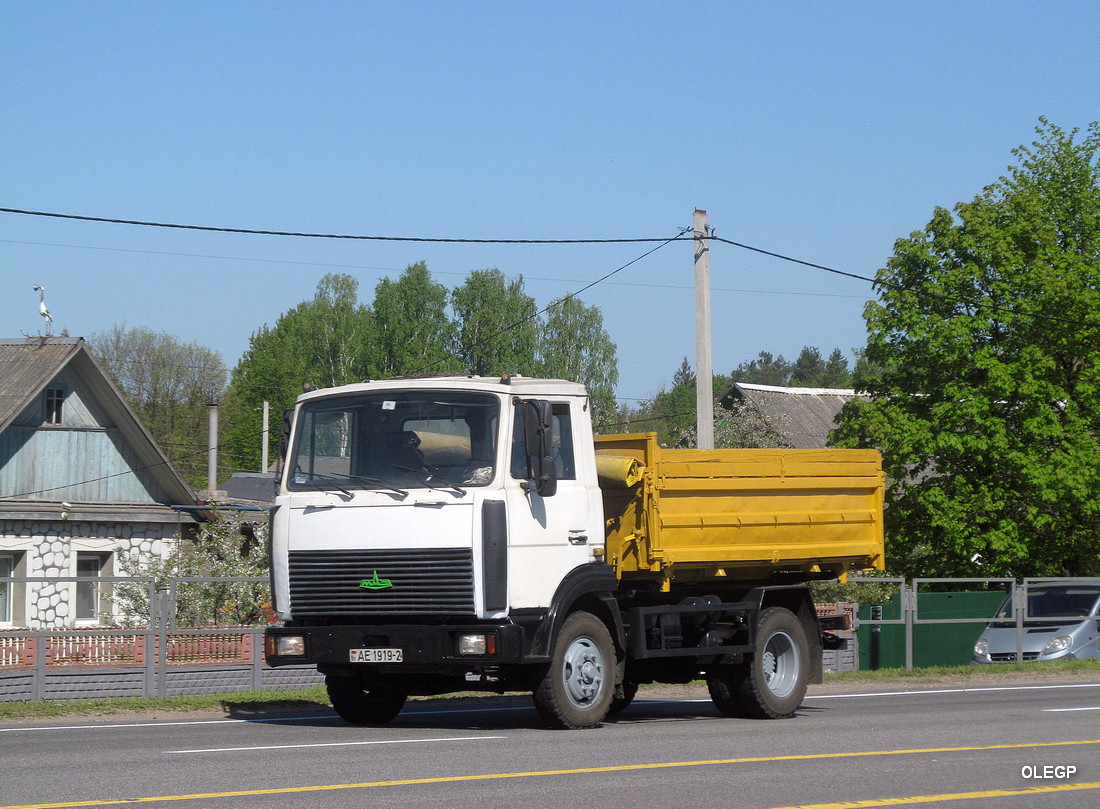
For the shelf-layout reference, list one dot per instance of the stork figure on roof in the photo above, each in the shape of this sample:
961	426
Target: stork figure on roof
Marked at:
42	310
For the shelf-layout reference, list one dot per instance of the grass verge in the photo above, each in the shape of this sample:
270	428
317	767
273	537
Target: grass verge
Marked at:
1052	670
237	702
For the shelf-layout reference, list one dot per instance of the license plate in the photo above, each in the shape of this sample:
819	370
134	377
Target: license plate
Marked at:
377	655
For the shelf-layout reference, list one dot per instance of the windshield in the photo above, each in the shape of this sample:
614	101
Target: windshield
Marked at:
406	440
1056	602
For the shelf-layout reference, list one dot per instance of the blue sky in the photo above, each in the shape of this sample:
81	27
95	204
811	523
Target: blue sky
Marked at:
821	130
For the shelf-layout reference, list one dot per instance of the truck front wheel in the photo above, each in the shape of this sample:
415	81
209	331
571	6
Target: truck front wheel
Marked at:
773	684
575	692
359	706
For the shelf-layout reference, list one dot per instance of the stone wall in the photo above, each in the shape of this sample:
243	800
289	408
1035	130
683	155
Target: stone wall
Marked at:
49	549
21	685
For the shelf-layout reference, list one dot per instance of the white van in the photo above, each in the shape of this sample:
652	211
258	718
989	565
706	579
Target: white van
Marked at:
1062	622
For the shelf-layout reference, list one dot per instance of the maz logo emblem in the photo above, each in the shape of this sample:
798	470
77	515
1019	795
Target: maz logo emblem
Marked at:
375	583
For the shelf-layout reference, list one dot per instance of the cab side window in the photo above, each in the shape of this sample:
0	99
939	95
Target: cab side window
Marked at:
561	439
563	443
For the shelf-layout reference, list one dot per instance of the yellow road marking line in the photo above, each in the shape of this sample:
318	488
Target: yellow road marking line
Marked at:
621	768
947	796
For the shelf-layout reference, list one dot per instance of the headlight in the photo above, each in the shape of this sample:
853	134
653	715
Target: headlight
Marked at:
981	647
290	646
477	645
1056	644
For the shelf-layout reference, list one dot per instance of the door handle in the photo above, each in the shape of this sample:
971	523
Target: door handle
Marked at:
578	537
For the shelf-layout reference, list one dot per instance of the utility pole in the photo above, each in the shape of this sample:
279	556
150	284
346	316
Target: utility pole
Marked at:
266	432
212	492
704	375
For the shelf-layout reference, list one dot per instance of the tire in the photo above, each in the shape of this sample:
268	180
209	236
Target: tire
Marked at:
620	704
358	706
576	690
773	684
725	689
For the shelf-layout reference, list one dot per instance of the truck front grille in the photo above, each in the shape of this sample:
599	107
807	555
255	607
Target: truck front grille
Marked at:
382	582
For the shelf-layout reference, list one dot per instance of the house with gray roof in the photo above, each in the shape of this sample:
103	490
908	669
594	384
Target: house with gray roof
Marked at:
82	484
797	418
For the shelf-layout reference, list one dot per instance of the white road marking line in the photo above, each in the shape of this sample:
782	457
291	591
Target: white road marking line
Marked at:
170	724
1066	710
528	707
335	744
968	690
182	722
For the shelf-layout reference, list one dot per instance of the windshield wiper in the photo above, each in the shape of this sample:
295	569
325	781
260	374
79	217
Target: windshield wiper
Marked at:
376	483
429	474
331	481
334	482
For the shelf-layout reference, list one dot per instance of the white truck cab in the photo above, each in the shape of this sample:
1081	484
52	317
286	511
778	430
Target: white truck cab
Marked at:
411	497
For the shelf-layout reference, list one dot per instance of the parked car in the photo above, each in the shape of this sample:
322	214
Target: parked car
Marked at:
1063	623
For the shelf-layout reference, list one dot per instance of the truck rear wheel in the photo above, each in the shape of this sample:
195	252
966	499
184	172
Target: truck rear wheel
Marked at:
576	691
359	706
773	684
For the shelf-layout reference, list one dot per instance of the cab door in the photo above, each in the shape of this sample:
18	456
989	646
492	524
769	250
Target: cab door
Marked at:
551	535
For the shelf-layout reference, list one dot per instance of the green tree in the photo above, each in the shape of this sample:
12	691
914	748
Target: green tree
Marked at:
671	413
574	345
983	369
809	370
170	385
495	324
836	373
324	341
766	369
335	332
673	409
412	333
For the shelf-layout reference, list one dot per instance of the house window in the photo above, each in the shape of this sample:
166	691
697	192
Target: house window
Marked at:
55	397
7	568
90	597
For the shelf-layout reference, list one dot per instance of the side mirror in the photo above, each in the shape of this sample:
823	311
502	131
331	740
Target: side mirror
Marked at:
538	433
284	434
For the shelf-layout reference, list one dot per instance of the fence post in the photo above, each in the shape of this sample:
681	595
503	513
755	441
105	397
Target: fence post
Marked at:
39	679
257	640
909	606
162	643
149	638
1019	609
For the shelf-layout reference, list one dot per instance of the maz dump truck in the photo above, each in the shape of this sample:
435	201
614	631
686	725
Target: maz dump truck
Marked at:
443	534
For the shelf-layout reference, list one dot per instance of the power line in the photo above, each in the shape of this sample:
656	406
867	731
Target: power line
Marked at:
434	271
902	288
204	255
428	239
649	418
773	254
149	363
166	462
307	235
560	301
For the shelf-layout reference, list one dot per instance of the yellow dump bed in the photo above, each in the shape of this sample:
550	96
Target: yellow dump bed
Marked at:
741	514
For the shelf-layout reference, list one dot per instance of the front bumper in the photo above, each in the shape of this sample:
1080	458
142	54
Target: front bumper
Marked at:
423	647
1028	657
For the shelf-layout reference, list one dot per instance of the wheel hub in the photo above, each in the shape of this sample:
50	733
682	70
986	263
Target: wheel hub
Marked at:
780	664
583	672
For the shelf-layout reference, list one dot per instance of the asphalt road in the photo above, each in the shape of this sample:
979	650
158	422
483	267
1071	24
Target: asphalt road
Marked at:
980	748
